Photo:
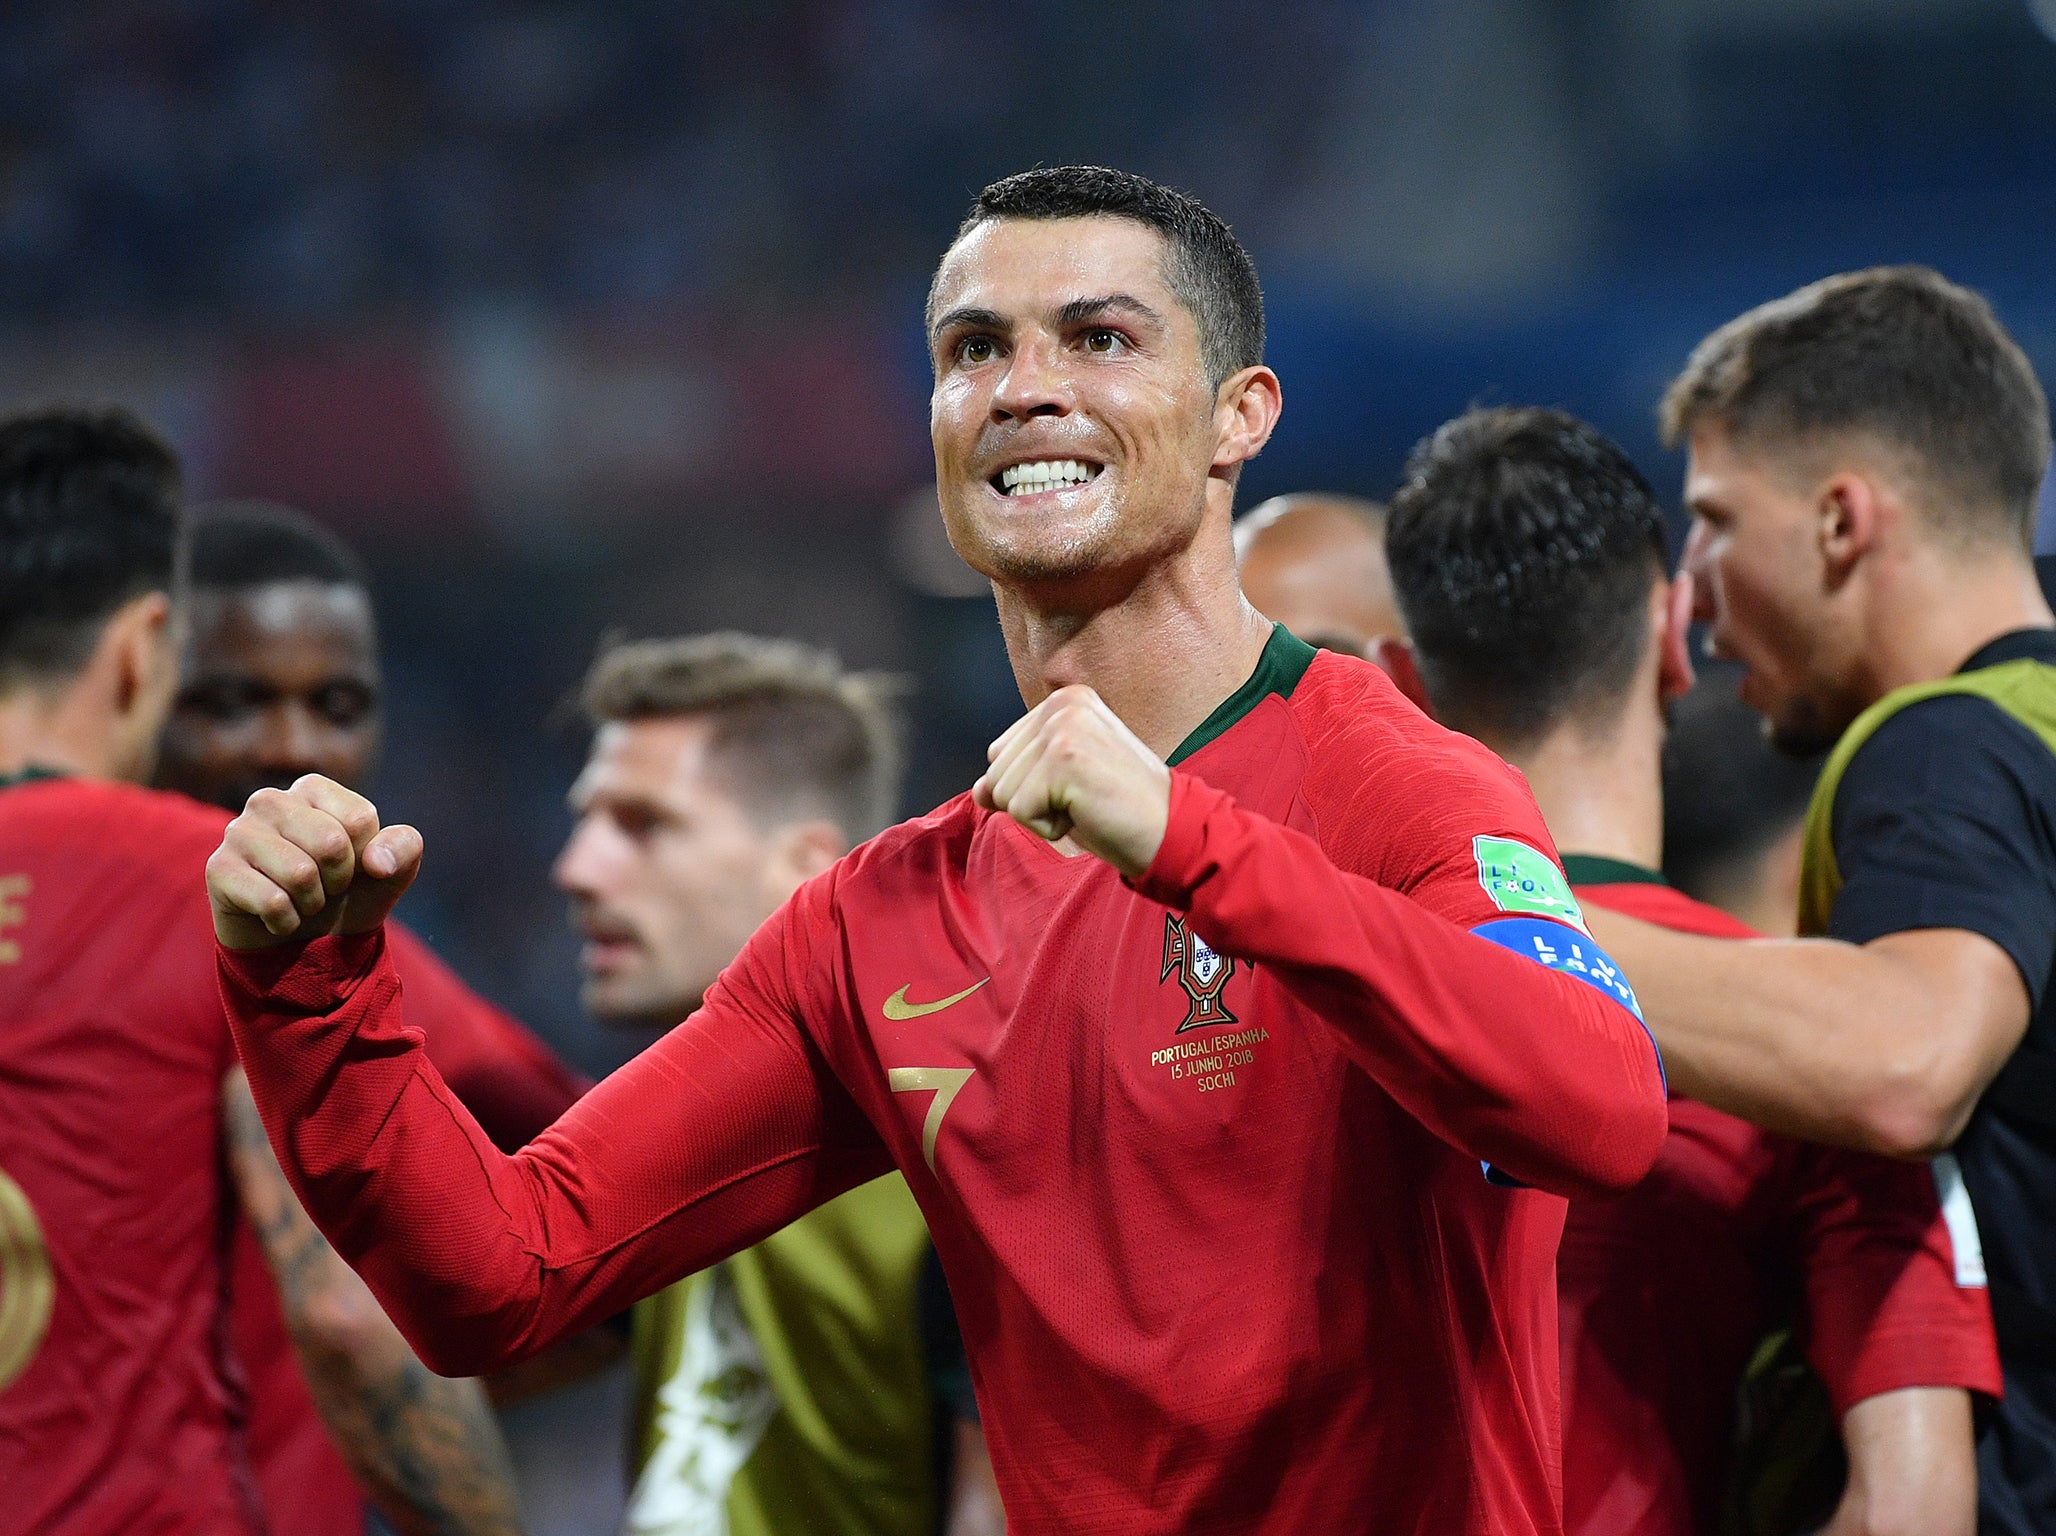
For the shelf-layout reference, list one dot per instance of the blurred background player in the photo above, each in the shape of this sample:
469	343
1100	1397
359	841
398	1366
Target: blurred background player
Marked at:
279	676
1864	460
1734	808
1528	555
786	1388
119	1106
1316	564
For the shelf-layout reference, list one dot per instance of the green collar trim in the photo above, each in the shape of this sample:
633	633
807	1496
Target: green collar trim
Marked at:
28	775
1283	663
1592	869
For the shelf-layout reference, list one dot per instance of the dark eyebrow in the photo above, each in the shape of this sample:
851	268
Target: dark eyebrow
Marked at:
1082	311
983	319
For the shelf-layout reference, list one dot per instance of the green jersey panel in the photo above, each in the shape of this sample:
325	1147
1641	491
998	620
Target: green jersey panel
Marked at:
784	1392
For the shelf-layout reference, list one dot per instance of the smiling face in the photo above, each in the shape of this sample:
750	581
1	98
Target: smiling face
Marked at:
1764	587
1073	420
667	872
278	680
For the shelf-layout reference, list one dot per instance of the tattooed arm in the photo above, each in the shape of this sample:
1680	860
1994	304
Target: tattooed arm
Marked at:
425	1449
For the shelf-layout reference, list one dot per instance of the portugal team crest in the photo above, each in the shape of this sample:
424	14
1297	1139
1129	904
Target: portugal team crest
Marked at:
1201	972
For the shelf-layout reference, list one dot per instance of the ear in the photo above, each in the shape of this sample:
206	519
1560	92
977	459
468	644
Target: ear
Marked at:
141	652
1851	516
1246	411
1396	656
802	850
1671	618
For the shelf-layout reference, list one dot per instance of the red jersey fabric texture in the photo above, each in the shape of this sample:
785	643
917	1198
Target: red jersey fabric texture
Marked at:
123	1417
1667	1291
513	1085
1201	1157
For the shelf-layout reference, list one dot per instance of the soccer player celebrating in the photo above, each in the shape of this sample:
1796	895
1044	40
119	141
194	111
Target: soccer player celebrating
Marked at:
1528	555
1191	1025
117	1410
1865	456
784	1389
1316	564
280	677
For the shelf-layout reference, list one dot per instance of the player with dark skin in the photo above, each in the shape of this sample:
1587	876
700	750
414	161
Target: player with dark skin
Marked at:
1316	563
278	680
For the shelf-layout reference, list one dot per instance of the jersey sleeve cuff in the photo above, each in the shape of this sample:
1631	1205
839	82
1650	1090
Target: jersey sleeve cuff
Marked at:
1182	860
1892	1361
301	979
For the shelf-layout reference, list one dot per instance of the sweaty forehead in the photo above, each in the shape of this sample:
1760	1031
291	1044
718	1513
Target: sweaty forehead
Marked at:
242	626
1027	268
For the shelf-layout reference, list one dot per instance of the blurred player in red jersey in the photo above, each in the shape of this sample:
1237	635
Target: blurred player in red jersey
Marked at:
1316	564
1528	557
1194	1026
280	677
118	1411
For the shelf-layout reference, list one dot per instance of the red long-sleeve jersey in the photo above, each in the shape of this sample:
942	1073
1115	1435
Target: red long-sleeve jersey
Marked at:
1202	1156
513	1085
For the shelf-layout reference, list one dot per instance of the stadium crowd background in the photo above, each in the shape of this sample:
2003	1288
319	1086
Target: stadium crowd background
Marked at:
572	316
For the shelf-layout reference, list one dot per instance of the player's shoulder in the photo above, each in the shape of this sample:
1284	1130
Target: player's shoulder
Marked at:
1363	735
1932	742
143	826
923	843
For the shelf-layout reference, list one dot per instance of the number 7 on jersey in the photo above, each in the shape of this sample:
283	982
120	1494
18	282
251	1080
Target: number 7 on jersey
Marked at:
945	1083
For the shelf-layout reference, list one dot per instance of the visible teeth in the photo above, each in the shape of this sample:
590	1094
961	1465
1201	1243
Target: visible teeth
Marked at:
1045	475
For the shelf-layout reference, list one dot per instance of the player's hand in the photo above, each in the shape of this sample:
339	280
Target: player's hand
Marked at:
1069	767
307	861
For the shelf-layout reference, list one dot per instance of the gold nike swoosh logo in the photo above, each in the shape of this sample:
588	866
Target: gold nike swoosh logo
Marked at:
897	1007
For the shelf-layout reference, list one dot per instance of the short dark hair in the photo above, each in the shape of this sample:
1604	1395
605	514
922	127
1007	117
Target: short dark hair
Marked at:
91	518
1207	269
797	731
242	544
1900	354
1728	794
1523	544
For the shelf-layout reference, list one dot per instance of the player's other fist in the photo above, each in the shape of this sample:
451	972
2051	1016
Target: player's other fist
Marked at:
1069	767
306	861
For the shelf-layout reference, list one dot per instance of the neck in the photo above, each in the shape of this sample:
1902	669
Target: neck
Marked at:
1601	790
1162	654
50	730
1963	603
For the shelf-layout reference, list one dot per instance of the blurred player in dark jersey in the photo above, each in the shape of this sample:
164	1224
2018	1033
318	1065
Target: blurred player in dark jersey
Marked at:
1865	458
279	677
1225	1031
1528	557
1316	564
120	1113
1734	809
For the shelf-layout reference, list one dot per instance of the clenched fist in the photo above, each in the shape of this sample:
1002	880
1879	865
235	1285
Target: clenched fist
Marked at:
307	861
1069	767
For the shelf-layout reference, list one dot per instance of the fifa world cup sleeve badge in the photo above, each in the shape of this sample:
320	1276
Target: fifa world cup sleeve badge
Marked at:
1200	971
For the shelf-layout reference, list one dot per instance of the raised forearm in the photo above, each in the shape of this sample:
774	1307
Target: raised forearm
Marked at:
1882	1047
1912	1466
425	1449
